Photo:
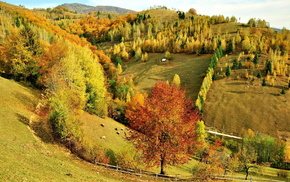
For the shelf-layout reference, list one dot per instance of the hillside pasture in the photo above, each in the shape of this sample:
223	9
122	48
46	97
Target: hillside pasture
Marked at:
104	133
190	68
235	104
26	157
161	14
107	133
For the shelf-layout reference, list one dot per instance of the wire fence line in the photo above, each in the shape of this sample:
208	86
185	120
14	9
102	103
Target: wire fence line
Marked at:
141	173
178	177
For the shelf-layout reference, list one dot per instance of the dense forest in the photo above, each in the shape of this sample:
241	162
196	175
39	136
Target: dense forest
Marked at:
78	61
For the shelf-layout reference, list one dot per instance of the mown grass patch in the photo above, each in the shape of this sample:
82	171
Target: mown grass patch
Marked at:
235	103
190	68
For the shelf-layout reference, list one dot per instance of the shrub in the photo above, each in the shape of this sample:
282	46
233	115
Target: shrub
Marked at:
235	64
111	155
259	75
283	91
282	173
118	61
228	71
168	55
264	82
205	171
129	158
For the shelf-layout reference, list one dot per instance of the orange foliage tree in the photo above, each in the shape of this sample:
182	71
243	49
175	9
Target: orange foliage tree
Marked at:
164	125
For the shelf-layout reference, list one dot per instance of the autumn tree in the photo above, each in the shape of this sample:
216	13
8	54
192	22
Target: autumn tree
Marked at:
138	54
144	57
192	11
246	44
164	126
20	54
201	134
176	79
167	55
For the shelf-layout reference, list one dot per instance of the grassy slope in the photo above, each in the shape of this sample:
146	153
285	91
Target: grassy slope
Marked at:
233	105
24	157
118	143
160	14
113	141
190	68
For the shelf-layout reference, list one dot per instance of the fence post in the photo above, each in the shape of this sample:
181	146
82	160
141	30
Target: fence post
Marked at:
117	167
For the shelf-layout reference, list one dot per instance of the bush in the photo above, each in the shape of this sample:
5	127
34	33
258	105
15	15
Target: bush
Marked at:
264	82
282	173
111	155
118	61
228	71
259	75
168	55
129	158
206	171
283	91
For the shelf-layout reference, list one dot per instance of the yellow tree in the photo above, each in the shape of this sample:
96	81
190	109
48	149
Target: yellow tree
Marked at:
21	51
176	79
246	44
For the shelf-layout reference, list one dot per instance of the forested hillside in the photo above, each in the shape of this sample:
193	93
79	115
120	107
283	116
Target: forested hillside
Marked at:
165	76
82	8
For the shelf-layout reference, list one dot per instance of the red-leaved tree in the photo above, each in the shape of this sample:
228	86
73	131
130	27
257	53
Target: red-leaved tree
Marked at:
164	125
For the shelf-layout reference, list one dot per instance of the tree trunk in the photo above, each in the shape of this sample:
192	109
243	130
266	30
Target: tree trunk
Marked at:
162	165
247	168
247	174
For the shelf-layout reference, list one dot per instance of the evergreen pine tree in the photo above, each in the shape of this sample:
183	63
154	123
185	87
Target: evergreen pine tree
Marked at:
17	22
221	52
268	67
118	61
283	91
230	47
235	64
215	76
228	71
264	82
259	75
240	64
256	60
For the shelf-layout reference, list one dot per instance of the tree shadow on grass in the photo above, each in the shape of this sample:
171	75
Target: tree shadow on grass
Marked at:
186	168
275	94
40	127
236	83
30	103
43	130
237	92
22	119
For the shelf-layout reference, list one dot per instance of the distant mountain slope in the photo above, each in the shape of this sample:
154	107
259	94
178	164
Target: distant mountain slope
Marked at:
82	8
